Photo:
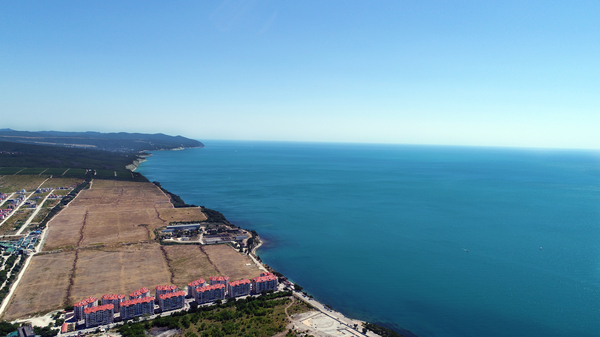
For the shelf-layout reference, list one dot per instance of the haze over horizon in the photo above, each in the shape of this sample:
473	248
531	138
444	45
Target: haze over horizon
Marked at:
517	74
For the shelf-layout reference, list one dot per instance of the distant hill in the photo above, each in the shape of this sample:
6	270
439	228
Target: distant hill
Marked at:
115	142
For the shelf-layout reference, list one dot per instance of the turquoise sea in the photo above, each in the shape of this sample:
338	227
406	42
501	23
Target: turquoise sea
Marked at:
442	241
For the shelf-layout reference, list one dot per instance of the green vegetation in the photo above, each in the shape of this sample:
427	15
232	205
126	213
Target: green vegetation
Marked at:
6	328
9	170
17	155
253	316
116	142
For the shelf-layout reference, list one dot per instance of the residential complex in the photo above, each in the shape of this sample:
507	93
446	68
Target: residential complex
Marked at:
142	292
114	299
137	307
224	280
100	315
265	282
163	289
171	301
168	298
79	307
238	288
210	293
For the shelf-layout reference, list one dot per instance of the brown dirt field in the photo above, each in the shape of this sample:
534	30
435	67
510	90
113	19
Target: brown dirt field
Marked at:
43	287
189	263
182	214
115	211
62	182
9	184
231	263
119	225
64	229
121	270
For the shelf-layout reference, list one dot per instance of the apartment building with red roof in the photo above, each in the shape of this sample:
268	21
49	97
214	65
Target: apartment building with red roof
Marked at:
224	280
239	288
191	288
210	293
137	307
142	292
163	289
99	315
265	282
171	301
79	307
114	299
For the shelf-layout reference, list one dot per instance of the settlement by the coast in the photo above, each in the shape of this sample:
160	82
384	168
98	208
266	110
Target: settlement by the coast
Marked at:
91	315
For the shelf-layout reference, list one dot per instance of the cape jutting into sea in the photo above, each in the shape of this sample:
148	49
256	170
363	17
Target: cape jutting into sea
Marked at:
442	241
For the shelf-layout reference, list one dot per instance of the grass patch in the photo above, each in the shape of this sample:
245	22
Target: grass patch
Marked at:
32	171
9	170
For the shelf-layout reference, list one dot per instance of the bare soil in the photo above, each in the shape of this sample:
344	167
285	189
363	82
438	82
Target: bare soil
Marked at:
189	263
231	263
43	287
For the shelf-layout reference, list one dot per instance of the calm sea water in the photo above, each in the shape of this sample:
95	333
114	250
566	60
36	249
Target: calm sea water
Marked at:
442	241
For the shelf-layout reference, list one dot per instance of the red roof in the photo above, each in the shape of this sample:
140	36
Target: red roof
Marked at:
85	302
108	297
165	287
175	294
137	301
239	282
219	278
209	288
99	308
139	292
267	278
64	328
197	282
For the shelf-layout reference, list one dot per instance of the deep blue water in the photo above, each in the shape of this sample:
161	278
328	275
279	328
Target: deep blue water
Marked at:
380	232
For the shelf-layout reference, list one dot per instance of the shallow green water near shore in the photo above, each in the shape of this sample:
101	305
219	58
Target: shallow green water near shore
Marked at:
442	241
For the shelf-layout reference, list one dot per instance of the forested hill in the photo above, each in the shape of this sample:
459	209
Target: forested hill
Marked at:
29	155
120	142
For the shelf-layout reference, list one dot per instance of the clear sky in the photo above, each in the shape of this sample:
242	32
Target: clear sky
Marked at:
492	73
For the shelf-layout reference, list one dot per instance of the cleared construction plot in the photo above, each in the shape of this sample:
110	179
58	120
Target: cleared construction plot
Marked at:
181	214
231	263
189	263
119	270
43	287
64	230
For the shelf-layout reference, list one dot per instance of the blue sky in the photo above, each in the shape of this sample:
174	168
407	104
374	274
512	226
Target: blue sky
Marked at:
511	73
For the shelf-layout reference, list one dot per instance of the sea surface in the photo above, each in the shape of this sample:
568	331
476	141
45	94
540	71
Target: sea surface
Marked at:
442	241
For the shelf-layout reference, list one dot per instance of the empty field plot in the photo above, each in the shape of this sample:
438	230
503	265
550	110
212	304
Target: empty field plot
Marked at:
118	224
121	270
181	214
43	286
16	183
231	263
117	212
32	171
62	182
124	193
189	263
10	170
64	230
